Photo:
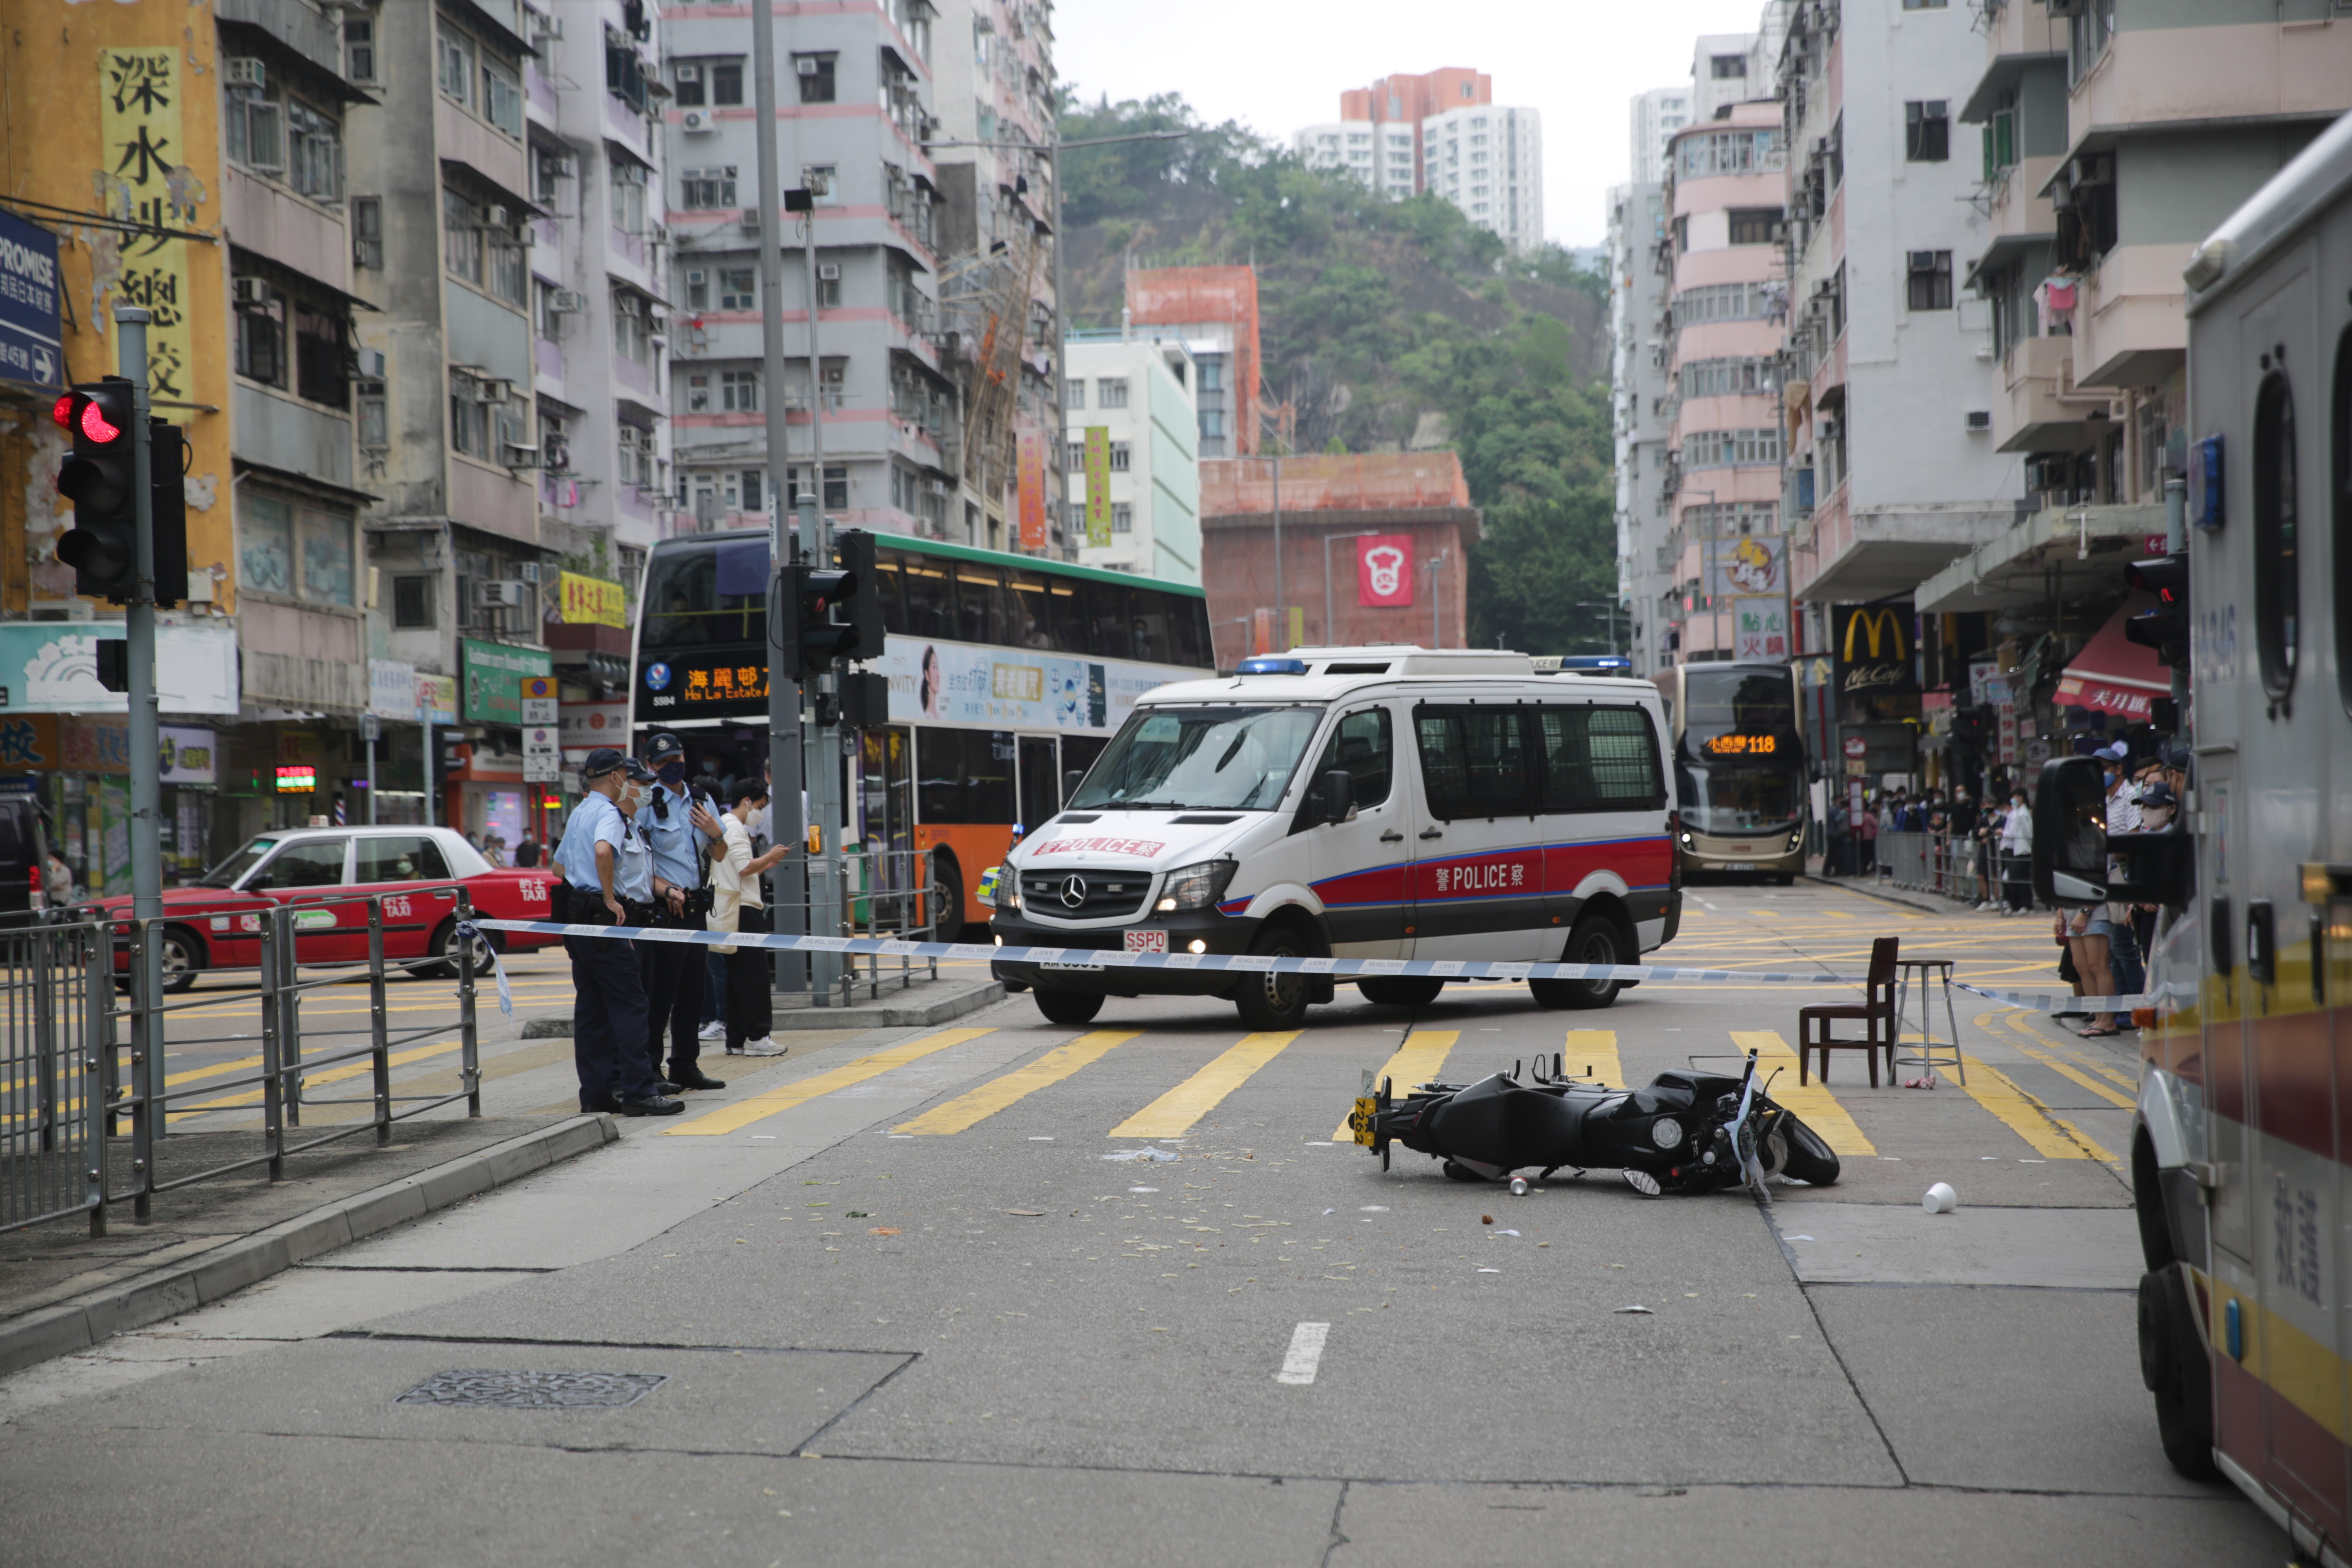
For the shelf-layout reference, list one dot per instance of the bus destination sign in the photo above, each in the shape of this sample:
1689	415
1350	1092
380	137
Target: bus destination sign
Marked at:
725	683
1741	745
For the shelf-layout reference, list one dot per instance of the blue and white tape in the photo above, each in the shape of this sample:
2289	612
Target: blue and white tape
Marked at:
466	932
1101	958
2042	1002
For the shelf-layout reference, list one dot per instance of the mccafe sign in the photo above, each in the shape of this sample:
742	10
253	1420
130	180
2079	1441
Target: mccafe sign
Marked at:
1874	648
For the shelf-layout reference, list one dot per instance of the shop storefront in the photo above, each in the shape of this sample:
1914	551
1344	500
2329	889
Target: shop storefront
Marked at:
484	792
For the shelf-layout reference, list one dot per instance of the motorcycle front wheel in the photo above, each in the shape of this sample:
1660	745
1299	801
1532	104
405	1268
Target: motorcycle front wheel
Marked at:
1810	1160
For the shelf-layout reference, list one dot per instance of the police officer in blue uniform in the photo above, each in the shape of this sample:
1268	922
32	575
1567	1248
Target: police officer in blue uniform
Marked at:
674	825
607	869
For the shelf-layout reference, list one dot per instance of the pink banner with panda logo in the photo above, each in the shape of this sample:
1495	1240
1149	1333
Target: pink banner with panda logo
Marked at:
1384	570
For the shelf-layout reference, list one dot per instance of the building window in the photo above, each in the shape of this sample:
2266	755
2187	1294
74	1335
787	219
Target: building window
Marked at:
1078	463
1755	225
686	85
1927	131
625	71
628	195
632	326
727	83
1074	393
547	167
634	451
1118	457
735	290
502	98
367	231
837	487
374	432
1928	280
706	189
359	50
1112	392
828	285
1924	4
321	360
815	73
698	288
1122	517
261	334
456	74
1727	68
1731	448
461	236
256	131
738	391
469	415
314	148
293	551
1728	378
1731	152
413	599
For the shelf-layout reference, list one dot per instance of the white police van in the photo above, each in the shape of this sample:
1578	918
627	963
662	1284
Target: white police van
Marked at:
1375	802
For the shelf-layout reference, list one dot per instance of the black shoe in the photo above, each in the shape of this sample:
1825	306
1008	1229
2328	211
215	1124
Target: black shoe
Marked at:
695	1078
601	1107
652	1105
664	1086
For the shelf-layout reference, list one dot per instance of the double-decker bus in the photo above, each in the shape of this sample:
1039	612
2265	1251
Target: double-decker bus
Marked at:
2242	1132
1739	768
1006	672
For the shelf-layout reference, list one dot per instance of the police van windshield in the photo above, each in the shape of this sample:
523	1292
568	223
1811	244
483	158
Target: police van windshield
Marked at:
1198	759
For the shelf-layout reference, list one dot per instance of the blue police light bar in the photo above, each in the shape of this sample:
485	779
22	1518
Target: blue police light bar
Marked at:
1584	663
1272	667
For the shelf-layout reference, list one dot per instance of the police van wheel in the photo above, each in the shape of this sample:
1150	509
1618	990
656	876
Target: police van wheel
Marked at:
1068	1006
1270	1000
1401	990
1595	940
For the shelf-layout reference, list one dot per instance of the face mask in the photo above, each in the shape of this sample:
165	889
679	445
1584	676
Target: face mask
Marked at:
672	772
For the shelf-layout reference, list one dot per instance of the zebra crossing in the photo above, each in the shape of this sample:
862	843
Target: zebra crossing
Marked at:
1233	1078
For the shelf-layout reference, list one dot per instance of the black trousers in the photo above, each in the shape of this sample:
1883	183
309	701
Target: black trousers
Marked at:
672	977
608	1022
751	986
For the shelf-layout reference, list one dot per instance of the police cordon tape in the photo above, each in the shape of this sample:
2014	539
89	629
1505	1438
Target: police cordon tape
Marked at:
2039	1002
1337	968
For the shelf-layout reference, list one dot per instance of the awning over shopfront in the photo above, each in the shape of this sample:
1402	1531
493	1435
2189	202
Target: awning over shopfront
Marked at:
2113	675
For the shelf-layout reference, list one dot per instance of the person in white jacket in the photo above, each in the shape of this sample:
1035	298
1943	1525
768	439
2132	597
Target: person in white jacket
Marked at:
737	906
2017	855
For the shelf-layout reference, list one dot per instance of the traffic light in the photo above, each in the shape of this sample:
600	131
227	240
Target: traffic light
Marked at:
1973	726
862	606
2165	626
822	640
101	479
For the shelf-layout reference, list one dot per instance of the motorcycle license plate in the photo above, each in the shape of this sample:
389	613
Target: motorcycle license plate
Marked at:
1147	942
1359	1123
1741	865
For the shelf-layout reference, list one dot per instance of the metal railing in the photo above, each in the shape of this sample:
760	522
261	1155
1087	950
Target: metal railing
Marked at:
83	1074
1937	863
882	893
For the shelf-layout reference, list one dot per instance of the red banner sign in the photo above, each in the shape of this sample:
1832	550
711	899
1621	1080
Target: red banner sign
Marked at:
1384	569
1031	480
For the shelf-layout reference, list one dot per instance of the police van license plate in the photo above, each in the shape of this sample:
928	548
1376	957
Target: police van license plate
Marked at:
1741	865
1147	942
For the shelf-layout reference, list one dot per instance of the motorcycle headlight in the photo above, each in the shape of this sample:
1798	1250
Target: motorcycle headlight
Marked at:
1666	1132
1196	887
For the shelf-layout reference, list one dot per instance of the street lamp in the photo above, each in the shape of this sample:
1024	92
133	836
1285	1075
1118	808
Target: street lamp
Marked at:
1329	636
1611	605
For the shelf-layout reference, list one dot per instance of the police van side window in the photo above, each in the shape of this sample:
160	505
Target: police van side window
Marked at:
1475	760
2277	598
1363	745
1600	759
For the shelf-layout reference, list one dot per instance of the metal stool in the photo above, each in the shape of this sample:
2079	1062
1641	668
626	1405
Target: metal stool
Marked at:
1932	971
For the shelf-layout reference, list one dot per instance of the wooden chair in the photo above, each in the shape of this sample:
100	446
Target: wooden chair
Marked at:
1876	1013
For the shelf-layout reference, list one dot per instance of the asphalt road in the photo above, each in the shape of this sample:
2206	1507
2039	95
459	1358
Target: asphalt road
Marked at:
1010	1292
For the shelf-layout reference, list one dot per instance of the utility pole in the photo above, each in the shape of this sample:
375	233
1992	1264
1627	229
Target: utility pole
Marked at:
784	765
1281	613
822	757
146	736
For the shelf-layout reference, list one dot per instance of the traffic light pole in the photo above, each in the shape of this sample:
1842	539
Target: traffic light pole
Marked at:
784	768
146	736
826	869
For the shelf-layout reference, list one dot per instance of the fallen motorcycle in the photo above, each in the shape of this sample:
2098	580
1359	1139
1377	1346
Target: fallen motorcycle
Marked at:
1687	1132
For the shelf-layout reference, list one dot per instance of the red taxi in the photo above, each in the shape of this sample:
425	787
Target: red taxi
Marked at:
217	922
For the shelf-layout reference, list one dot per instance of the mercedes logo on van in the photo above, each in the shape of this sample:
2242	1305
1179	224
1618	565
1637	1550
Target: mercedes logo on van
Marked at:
1074	891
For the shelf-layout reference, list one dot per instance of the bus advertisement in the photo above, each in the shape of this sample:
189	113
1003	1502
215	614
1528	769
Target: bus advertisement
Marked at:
1006	673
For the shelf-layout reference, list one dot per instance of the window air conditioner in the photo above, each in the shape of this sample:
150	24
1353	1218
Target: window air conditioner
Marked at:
1921	260
689	73
1979	419
368	364
529	569
253	293
245	71
828	271
567	301
494	217
522	456
546	30
511	595
750	220
498	391
698	122
807	65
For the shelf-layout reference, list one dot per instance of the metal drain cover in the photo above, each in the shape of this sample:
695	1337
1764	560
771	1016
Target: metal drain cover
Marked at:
535	1390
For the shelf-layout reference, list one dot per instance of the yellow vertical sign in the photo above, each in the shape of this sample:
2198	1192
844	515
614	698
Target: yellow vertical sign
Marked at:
139	104
1098	484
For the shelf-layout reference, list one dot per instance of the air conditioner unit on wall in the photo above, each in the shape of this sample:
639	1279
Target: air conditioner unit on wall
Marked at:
511	595
689	73
567	301
246	71
750	220
828	271
807	65
698	121
253	293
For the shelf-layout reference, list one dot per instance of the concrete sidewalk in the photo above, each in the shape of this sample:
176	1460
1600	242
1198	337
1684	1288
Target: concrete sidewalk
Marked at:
62	1289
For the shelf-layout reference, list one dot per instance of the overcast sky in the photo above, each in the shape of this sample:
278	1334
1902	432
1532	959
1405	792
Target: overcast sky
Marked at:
1276	65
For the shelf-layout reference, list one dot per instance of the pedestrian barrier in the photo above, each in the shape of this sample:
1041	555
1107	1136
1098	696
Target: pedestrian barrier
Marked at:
83	1071
875	894
1937	863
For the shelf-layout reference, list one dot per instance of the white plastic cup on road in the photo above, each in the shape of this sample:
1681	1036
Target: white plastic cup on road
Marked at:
1940	1199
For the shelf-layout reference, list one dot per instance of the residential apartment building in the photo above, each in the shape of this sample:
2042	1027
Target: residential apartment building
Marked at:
1723	201
854	116
1442	134
1213	309
993	93
1138	390
1656	115
1639	269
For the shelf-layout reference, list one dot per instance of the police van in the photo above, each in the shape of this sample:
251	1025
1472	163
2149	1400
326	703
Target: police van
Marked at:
1373	802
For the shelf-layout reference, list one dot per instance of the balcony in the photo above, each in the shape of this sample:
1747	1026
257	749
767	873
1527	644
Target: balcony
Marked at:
2040	411
2130	330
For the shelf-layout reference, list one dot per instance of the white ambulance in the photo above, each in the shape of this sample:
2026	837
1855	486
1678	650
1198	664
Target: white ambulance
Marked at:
1375	802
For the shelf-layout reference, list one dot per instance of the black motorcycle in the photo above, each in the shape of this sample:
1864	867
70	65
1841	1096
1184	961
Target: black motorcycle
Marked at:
1687	1132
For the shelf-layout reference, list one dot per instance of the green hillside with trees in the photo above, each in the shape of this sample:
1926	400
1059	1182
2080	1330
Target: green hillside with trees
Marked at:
1386	326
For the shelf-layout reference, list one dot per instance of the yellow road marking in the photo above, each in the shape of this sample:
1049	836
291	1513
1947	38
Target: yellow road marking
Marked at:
2076	1074
1592	1053
1420	1058
800	1092
1173	1113
2026	1116
1020	1083
1814	1104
